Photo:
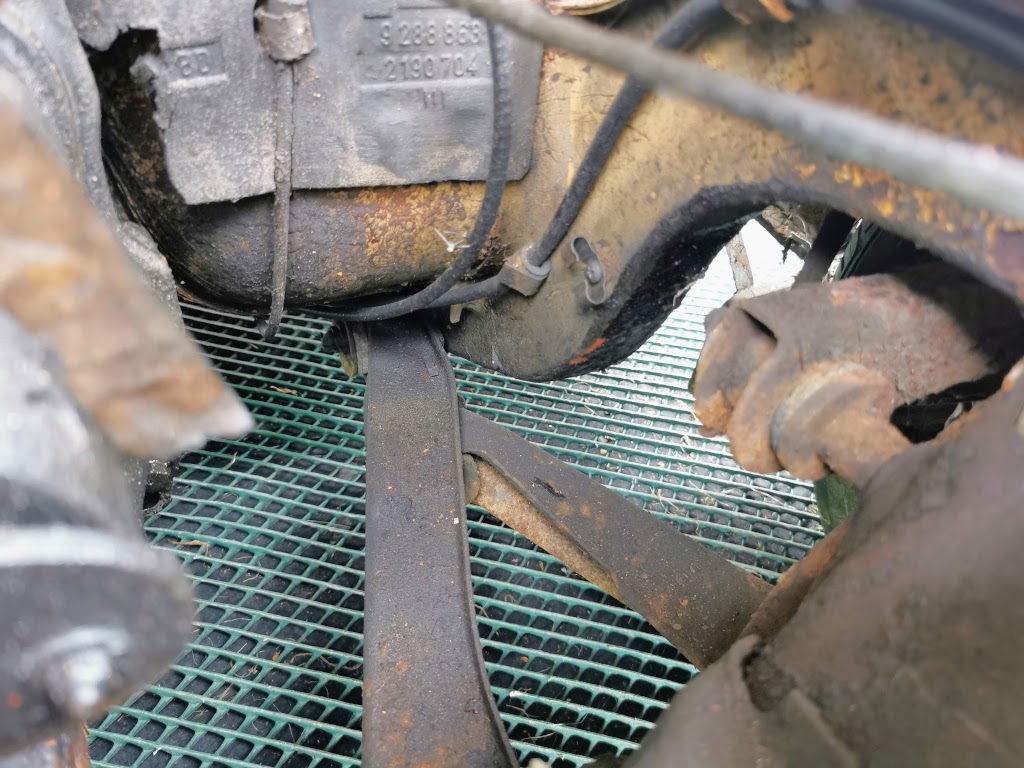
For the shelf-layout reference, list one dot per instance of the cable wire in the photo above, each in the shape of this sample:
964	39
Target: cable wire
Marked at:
976	175
490	288
497	175
695	17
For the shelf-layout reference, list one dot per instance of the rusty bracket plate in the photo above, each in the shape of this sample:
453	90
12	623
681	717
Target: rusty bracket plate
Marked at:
426	700
698	600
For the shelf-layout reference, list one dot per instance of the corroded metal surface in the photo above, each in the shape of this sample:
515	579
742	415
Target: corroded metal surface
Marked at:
806	379
910	639
904	650
696	599
715	722
65	279
687	173
426	699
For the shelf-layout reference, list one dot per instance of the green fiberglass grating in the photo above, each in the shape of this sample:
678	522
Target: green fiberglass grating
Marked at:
270	528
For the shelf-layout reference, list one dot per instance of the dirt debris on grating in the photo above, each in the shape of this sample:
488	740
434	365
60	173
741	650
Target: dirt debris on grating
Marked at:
270	528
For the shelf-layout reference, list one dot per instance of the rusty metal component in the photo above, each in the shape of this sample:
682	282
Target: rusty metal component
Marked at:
90	610
974	174
784	599
693	170
68	750
806	379
698	600
909	640
793	225
426	699
39	48
837	417
715	723
686	196
904	648
65	279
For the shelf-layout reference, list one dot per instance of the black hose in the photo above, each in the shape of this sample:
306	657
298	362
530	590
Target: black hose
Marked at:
830	238
497	175
490	288
693	18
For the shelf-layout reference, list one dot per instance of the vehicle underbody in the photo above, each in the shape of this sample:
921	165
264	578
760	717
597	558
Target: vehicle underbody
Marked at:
485	180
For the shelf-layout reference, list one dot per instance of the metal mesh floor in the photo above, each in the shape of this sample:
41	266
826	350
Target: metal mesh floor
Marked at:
270	528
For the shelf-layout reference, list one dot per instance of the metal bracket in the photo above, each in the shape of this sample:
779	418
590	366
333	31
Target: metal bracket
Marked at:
285	29
350	343
594	285
521	275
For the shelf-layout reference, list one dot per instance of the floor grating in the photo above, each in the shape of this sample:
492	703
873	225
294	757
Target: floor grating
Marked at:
270	528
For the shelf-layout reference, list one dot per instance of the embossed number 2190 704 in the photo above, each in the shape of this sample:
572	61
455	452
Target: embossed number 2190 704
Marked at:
430	66
429	33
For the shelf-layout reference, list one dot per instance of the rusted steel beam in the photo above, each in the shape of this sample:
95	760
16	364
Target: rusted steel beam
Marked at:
426	699
698	600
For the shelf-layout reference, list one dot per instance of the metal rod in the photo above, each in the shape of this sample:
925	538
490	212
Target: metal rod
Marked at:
697	599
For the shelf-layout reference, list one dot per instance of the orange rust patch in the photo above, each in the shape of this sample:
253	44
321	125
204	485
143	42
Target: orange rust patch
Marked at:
857	175
582	357
402	666
885	206
925	205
